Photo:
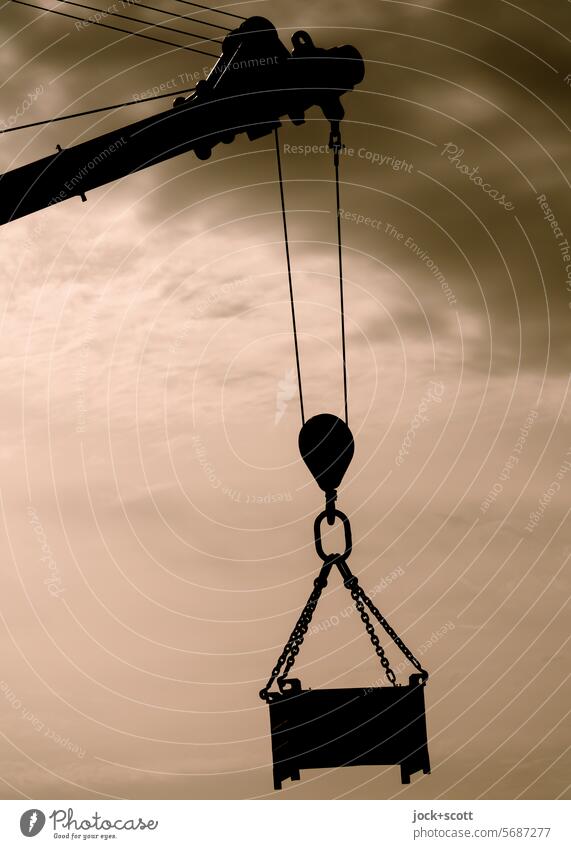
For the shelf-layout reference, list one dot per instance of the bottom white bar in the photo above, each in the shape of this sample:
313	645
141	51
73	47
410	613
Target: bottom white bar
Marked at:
281	824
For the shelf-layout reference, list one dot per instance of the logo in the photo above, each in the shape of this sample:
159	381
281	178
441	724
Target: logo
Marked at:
287	389
32	822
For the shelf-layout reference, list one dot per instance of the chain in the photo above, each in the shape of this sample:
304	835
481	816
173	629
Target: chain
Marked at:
356	595
297	636
390	631
291	649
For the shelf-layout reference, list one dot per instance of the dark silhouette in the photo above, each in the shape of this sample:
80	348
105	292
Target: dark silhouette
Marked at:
255	82
326	445
342	727
348	727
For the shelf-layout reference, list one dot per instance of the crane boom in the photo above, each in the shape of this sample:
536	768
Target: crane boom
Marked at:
255	82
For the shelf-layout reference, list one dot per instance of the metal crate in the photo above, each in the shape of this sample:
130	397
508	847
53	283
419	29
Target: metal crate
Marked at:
321	729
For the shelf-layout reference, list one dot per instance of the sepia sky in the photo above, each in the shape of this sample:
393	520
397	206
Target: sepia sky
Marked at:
157	519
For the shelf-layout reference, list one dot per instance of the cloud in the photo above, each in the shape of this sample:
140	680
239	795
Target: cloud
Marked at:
157	314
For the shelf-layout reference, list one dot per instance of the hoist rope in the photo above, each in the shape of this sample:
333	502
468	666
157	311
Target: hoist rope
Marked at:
139	20
176	15
341	286
210	9
288	260
115	29
336	146
94	111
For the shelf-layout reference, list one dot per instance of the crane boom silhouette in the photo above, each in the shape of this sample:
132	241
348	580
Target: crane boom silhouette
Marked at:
252	86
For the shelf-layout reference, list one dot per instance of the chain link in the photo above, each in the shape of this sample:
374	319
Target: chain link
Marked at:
390	631
291	649
297	636
356	595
